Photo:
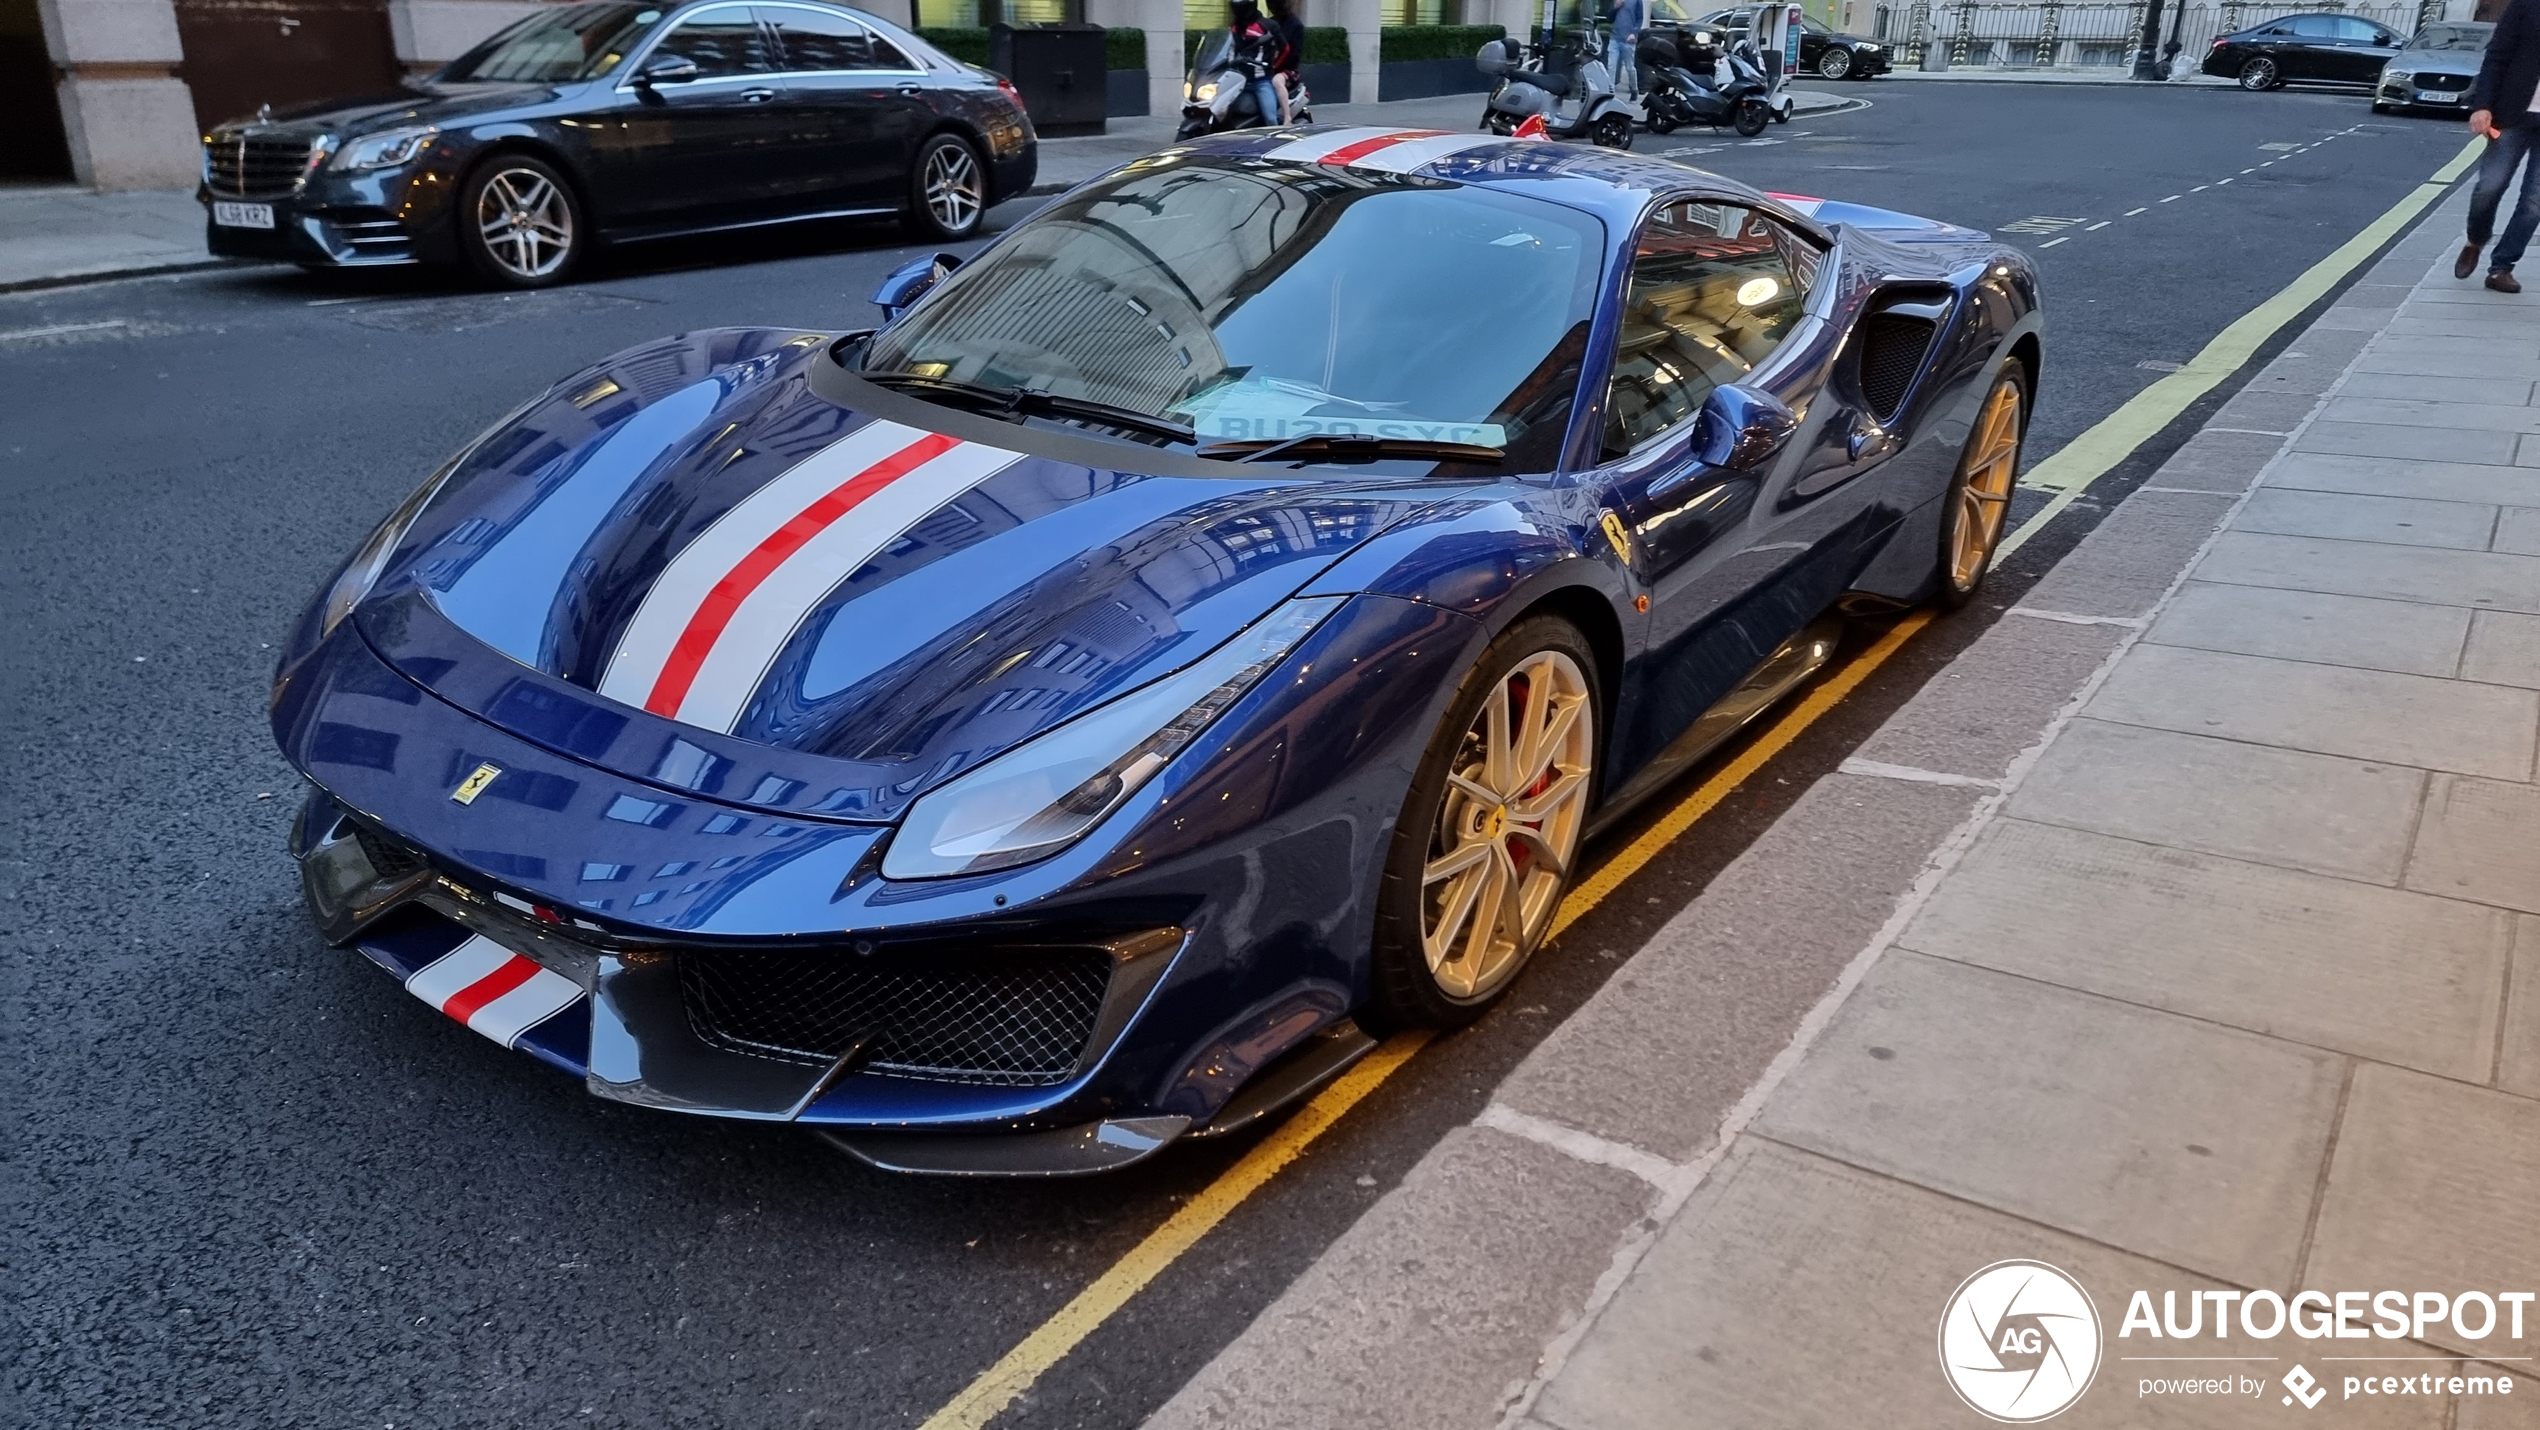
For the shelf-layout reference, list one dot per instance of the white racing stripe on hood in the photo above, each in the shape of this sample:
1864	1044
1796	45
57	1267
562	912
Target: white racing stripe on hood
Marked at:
731	598
1411	154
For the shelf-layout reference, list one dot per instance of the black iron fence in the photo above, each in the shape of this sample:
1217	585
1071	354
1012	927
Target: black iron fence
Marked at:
2053	34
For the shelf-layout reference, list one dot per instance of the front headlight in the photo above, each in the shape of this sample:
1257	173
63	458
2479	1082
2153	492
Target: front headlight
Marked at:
1207	92
1867	49
385	150
1031	802
2396	76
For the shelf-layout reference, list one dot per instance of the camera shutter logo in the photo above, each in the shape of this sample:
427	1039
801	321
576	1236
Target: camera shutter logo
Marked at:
2019	1341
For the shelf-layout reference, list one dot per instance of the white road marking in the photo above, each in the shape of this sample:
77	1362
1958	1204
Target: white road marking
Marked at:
2129	213
2050	243
2103	223
58	329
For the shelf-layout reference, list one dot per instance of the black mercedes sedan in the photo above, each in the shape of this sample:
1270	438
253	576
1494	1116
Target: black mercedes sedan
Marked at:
616	120
2329	49
1828	54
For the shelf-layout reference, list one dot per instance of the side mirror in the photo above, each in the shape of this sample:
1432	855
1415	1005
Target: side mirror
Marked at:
1740	427
666	69
909	282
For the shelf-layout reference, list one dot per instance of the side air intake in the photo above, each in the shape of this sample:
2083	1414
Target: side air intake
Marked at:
1895	340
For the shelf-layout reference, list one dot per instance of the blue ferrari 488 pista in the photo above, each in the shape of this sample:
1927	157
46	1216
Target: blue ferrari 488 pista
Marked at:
1186	640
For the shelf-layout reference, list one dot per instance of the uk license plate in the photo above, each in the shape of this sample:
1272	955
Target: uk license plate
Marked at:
243	215
2437	96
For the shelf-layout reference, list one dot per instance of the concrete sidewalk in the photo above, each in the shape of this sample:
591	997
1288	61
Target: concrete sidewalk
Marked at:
2179	935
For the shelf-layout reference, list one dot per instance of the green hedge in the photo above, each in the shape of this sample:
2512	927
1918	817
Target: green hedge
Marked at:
1122	49
1436	42
1324	45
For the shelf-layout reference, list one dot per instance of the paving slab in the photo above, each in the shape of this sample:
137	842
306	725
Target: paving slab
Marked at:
1436	1301
2500	391
2263	411
2431	1189
1995	699
2358	968
2509	332
2398	477
2327	709
2123	567
2518	1411
2476	842
2494	579
2439	444
2456	411
2448	357
1727	1324
2518	530
2281	807
1667	1046
2082	1113
2518	1054
2504	648
2404	636
2408	521
2217	461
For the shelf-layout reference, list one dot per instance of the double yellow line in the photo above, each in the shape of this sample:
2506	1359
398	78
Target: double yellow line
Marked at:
2086	459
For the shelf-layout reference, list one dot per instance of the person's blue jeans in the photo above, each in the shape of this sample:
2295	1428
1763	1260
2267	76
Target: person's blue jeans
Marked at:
2495	173
1619	62
1265	99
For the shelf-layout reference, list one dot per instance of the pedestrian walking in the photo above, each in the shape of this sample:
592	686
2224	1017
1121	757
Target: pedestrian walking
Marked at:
2508	77
1622	43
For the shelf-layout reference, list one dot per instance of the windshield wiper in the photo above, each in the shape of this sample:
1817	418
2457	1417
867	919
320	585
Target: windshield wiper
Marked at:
1355	447
1012	401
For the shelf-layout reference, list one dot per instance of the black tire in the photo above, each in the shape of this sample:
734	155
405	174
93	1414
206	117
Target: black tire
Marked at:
520	224
1834	62
1958	583
1751	118
2260	74
1611	131
1661	124
1781	116
1403	990
947	190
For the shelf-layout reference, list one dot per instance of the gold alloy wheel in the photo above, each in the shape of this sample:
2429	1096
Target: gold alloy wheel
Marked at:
1508	826
526	222
1984	496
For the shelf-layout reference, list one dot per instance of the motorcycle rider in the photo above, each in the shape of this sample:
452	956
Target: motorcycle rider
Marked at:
1289	73
1257	47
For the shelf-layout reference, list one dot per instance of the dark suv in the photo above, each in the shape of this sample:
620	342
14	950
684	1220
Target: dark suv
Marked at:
618	120
2333	49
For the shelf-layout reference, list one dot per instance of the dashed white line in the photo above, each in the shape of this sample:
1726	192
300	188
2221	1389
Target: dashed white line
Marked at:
2129	213
2103	223
2050	243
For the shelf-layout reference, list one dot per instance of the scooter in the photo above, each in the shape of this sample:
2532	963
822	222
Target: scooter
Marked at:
1217	95
1676	92
1571	92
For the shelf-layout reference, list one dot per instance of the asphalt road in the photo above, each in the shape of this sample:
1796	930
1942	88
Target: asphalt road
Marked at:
250	1182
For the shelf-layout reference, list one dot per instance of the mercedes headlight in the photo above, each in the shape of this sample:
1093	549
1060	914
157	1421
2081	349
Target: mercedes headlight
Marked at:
386	150
1030	802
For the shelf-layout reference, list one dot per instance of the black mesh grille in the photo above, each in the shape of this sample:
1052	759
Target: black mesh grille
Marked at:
2442	81
391	859
247	165
1017	1018
1892	348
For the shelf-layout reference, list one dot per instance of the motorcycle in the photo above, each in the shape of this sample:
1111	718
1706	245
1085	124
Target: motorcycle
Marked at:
1217	95
1571	91
1675	92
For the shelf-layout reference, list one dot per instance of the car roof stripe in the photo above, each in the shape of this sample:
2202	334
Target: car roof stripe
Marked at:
1410	154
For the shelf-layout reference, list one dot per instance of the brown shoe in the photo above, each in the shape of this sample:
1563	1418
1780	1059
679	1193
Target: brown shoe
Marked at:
2467	263
2502	280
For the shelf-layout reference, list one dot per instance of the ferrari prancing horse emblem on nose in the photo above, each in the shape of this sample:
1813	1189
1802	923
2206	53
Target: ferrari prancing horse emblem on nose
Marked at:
475	783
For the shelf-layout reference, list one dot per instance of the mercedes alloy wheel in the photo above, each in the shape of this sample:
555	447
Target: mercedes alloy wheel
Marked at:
1835	63
949	189
2259	74
521	223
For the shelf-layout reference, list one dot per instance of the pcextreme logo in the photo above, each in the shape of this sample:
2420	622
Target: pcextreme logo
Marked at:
2019	1341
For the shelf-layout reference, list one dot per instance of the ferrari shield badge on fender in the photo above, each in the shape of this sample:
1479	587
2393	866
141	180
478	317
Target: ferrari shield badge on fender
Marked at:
475	783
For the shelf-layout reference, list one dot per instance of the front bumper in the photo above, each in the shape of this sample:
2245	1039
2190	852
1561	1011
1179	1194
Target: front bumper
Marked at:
2415	96
1866	63
341	221
576	914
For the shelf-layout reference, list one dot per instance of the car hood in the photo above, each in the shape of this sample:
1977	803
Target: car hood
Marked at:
419	103
687	566
2437	61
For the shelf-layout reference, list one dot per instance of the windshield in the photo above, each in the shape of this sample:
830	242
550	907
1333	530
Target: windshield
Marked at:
2452	37
1260	302
558	46
1215	52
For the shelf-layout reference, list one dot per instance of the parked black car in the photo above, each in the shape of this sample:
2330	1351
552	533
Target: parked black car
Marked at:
1829	54
2329	49
2435	70
619	120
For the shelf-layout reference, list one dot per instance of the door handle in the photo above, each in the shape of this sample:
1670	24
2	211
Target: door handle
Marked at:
757	96
908	89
